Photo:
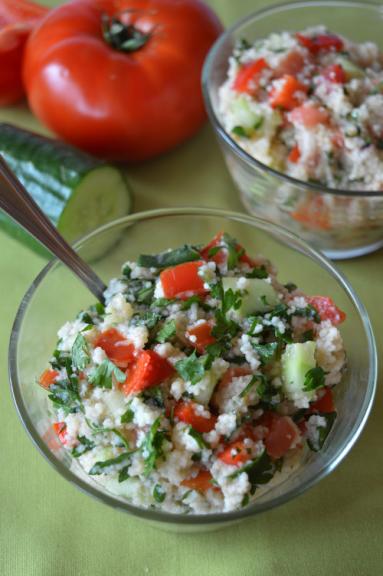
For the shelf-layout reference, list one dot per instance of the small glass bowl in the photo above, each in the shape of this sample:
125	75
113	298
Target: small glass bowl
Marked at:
56	296
341	223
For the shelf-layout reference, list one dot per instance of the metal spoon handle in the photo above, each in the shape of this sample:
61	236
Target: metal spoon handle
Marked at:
17	203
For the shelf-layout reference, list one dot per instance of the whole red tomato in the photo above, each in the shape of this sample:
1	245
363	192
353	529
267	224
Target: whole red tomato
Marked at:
17	19
121	78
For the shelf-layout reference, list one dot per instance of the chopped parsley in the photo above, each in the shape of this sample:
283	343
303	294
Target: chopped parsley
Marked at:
167	332
198	438
84	445
152	447
266	352
314	378
80	353
102	375
192	369
159	494
103	467
170	258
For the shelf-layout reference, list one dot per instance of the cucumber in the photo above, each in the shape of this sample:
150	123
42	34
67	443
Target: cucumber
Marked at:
296	361
78	193
351	70
248	121
203	395
260	297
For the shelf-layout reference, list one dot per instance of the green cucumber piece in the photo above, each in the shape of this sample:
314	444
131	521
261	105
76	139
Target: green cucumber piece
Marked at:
351	70
296	361
247	119
77	192
210	381
260	296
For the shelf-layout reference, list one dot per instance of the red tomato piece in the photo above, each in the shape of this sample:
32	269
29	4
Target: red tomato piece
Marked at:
187	412
247	78
117	349
335	74
291	64
61	431
202	482
283	434
294	155
288	93
234	372
326	309
149	369
313	213
220	256
182	280
309	115
235	453
47	378
324	404
115	101
321	43
200	336
17	20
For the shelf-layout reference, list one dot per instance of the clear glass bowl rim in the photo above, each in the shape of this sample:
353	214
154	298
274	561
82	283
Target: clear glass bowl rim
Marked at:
233	145
200	519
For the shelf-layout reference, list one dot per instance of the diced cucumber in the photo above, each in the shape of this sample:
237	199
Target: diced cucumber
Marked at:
351	70
78	193
296	361
260	296
247	120
205	388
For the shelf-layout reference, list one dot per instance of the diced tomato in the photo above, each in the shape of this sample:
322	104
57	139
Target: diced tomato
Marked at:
321	42
326	309
220	256
202	482
337	139
248	76
182	280
235	453
187	412
335	74
325	404
294	155
200	336
309	115
115	346
149	369
288	93
61	431
283	434
234	372
313	213
47	378
292	63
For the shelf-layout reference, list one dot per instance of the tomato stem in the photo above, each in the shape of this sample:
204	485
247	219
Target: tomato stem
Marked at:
123	37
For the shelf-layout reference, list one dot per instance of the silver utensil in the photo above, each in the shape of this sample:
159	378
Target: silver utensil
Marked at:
17	203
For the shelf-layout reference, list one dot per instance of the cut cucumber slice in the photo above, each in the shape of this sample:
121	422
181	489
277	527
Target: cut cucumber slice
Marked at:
296	361
205	392
261	296
77	192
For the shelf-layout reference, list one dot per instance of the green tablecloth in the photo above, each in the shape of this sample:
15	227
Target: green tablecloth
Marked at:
48	528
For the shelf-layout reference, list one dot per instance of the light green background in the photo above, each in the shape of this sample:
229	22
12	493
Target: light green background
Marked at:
48	528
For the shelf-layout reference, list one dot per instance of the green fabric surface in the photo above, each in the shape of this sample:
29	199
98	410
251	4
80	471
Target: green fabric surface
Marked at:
49	528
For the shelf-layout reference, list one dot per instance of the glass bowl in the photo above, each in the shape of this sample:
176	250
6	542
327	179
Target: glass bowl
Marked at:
341	223
56	296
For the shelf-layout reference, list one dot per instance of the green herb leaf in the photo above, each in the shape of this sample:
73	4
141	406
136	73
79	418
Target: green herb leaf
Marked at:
104	466
83	446
167	332
80	353
102	375
145	295
162	302
123	441
240	131
314	378
258	272
152	446
192	369
259	471
323	431
290	287
154	395
308	312
123	474
187	304
234	252
159	494
256	378
198	438
126	271
127	416
170	258
86	318
64	394
98	309
149	319
266	352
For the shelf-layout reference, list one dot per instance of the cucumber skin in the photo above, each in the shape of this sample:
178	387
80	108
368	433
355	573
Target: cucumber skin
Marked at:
50	171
